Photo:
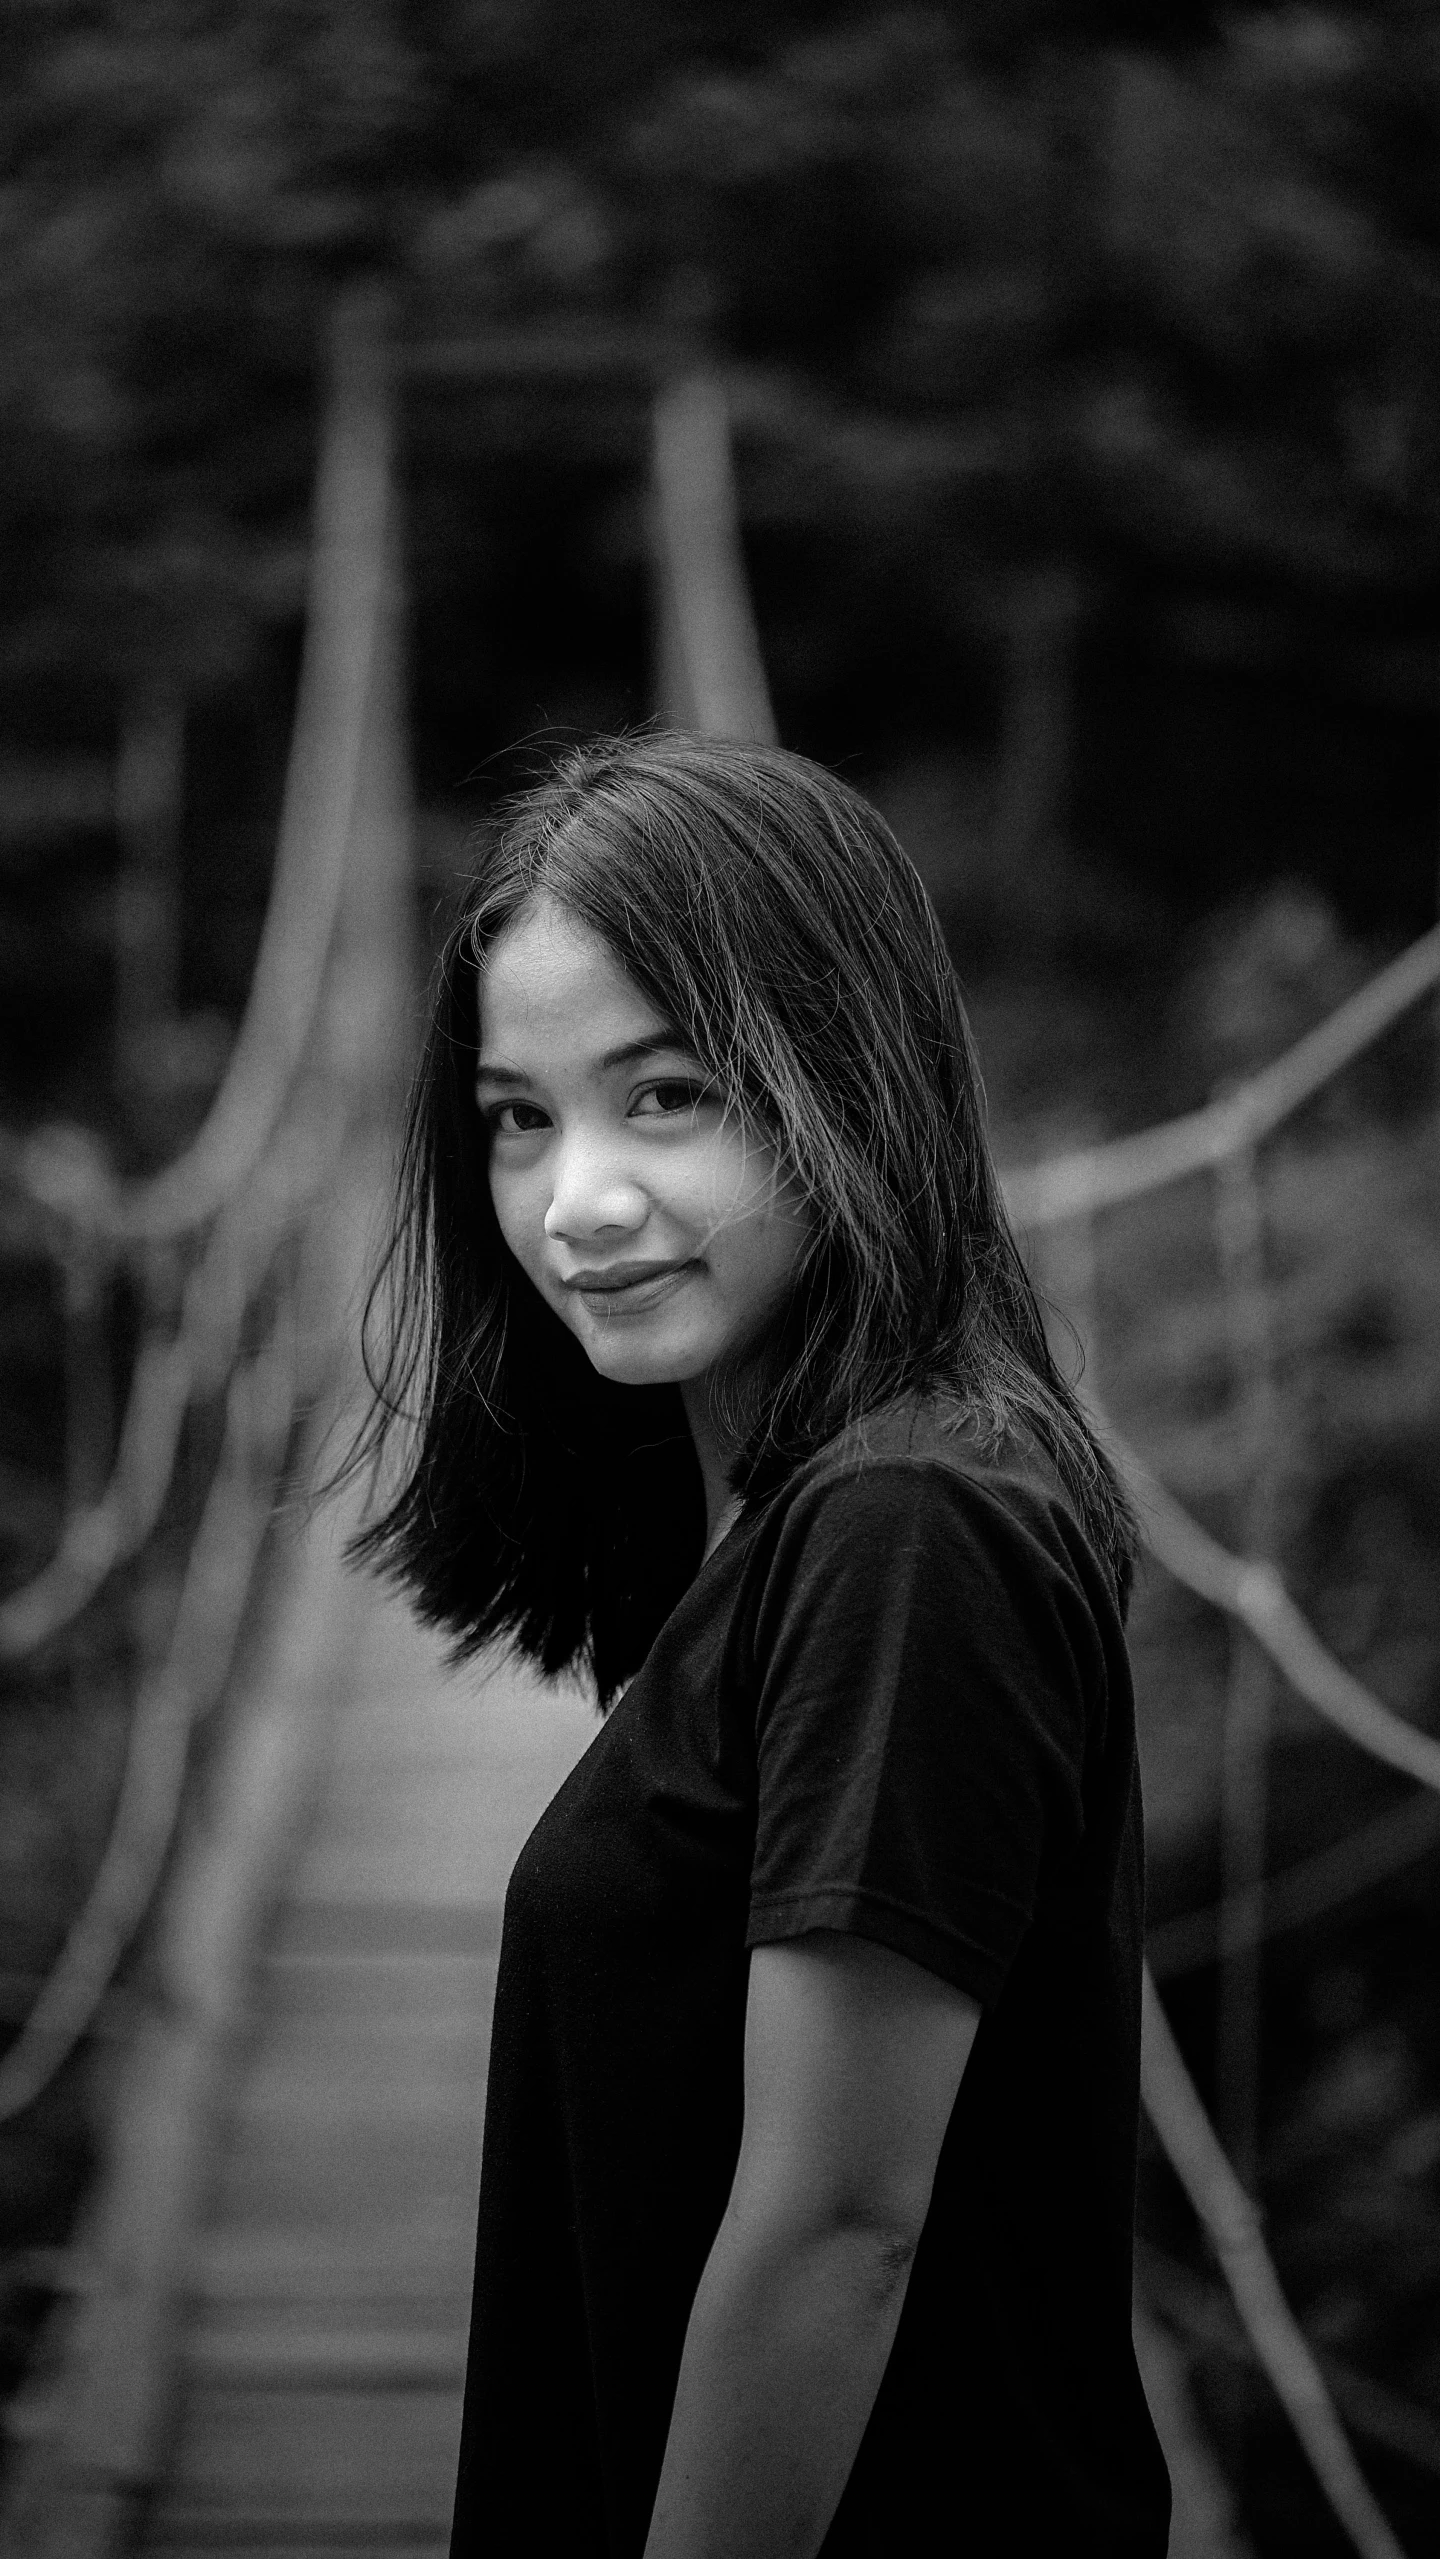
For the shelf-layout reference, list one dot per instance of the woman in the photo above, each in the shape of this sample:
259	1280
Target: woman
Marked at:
805	2213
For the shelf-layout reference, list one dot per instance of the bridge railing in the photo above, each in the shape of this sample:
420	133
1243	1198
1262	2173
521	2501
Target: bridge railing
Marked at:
1271	1639
709	680
219	1246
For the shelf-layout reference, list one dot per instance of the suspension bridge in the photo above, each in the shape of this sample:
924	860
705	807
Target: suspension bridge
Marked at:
258	2328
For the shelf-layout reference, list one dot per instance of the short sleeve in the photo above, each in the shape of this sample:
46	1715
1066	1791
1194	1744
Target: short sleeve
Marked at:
921	1720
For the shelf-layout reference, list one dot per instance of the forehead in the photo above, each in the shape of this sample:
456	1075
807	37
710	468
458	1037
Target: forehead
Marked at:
551	983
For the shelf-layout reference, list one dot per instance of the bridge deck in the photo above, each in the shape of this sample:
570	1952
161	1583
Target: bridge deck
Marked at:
322	2363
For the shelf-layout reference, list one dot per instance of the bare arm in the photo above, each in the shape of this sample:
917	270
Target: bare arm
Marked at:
853	2056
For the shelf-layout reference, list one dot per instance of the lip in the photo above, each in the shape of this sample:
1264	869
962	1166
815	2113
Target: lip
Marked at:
623	1279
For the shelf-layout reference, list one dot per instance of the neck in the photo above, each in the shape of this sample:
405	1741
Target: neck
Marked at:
716	1452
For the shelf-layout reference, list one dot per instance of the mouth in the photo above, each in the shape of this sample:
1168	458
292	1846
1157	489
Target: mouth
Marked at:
626	1284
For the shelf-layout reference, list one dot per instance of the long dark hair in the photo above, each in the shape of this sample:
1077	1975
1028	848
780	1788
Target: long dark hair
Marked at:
768	913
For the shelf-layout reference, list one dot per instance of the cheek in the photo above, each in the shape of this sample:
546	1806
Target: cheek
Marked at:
520	1216
763	1233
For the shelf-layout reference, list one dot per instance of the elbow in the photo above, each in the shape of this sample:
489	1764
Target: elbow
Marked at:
873	2250
892	2249
884	2215
867	2242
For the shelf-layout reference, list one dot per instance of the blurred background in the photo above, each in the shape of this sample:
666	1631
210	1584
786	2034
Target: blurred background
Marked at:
1083	378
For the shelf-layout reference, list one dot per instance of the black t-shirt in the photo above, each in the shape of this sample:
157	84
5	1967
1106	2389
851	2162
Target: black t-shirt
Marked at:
896	1702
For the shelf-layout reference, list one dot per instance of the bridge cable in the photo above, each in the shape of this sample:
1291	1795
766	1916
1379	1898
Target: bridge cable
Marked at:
252	1175
1232	2224
346	600
1125	1168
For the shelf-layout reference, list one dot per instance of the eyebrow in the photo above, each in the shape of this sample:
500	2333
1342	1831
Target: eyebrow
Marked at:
630	1053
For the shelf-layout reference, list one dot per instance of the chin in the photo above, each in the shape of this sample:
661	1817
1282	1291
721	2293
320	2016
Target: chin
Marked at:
633	1368
638	1362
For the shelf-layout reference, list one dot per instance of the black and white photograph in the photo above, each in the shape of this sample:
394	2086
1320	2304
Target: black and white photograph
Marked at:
720	1279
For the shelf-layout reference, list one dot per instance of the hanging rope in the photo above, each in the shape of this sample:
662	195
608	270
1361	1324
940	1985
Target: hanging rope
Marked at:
1306	1890
1254	1594
1245	1724
224	1168
1385	2418
259	1409
1125	1168
1232	2225
251	1178
345	602
1215	2189
170	1371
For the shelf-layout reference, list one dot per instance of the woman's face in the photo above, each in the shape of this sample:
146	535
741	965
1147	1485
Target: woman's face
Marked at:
661	1231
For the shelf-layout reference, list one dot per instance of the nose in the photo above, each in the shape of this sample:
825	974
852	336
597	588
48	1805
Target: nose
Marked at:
593	1194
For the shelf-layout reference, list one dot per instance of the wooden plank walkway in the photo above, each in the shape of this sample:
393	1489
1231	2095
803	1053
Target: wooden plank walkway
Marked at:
321	2365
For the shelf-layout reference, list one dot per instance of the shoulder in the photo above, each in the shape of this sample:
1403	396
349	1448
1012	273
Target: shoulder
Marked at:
921	1482
929	1458
939	1583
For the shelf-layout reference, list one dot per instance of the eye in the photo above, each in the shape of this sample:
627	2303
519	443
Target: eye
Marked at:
671	1097
515	1119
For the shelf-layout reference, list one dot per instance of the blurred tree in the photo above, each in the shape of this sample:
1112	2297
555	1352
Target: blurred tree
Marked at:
1033	306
